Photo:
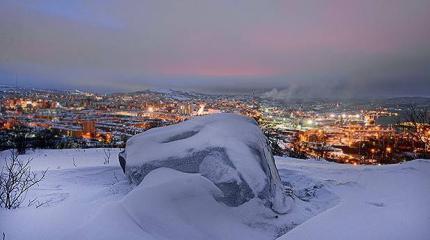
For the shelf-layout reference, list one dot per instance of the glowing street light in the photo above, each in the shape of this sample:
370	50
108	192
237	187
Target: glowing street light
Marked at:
388	149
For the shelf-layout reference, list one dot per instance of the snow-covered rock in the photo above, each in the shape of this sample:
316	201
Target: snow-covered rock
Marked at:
230	150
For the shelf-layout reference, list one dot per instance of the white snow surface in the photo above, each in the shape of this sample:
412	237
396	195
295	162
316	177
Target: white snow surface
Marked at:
228	149
376	202
91	200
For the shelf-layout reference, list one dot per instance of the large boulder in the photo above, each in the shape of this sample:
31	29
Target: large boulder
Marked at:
228	149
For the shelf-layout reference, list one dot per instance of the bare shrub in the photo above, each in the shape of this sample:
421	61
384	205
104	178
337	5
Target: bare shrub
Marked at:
419	122
16	178
74	162
107	152
417	116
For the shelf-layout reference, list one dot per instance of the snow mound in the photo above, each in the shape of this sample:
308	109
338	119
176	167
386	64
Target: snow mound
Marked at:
170	204
229	150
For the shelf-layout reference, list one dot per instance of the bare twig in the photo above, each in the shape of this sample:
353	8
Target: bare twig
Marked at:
40	204
35	202
31	202
74	163
107	156
16	178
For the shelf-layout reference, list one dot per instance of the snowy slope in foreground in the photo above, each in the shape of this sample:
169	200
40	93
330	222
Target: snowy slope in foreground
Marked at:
376	202
339	202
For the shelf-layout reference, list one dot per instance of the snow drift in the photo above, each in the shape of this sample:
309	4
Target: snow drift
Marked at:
170	204
87	199
227	149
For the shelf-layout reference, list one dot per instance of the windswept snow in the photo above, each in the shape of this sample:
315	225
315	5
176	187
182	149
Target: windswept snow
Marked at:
76	185
94	201
376	202
169	204
228	149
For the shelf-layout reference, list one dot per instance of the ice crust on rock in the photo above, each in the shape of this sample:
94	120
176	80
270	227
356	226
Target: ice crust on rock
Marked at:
228	149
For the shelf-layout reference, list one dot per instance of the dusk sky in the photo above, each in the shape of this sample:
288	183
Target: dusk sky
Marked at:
302	48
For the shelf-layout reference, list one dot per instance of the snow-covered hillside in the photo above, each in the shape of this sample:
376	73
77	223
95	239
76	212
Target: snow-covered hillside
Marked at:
86	200
376	202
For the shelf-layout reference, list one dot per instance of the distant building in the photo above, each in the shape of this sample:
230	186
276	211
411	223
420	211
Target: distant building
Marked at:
186	109
88	128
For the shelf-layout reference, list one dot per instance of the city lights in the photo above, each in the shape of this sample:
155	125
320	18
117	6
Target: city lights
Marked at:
348	135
